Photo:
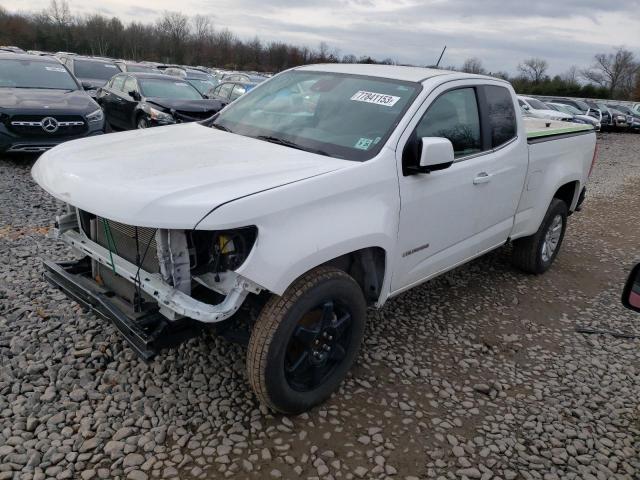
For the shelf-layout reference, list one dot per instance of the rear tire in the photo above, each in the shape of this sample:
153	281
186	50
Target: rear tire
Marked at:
536	253
305	341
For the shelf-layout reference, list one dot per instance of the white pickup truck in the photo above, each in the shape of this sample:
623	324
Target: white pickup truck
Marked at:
325	190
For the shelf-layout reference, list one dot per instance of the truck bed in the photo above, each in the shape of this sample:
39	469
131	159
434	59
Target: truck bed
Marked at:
538	128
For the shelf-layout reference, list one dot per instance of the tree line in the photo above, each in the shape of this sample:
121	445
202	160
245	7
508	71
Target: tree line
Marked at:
177	38
173	38
614	75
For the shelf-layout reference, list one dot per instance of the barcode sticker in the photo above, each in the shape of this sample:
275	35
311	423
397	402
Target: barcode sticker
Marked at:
375	98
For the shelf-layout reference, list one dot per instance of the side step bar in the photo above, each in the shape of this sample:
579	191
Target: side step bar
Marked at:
146	333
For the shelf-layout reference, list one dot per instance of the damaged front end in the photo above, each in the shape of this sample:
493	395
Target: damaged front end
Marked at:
158	286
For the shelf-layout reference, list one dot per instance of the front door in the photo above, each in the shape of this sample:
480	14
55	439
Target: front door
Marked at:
451	215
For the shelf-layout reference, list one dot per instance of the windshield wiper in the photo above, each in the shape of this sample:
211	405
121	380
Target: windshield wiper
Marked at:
221	127
290	144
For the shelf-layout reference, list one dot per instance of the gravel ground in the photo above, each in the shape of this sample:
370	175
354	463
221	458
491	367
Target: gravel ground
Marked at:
480	374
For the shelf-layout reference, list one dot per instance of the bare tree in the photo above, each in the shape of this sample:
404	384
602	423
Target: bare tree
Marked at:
203	28
534	69
635	94
571	75
323	52
59	13
349	58
613	71
499	74
473	65
173	27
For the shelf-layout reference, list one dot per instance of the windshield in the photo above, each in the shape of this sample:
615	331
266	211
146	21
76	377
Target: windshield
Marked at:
570	109
35	74
97	70
623	109
342	116
170	88
203	86
537	104
195	74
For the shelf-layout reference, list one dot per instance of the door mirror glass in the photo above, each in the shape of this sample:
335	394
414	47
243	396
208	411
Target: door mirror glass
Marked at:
436	154
631	292
135	95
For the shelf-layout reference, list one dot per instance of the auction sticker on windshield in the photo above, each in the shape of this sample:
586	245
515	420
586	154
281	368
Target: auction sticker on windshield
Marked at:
376	98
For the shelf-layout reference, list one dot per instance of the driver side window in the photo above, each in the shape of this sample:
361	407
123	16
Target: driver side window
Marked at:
117	83
130	85
454	115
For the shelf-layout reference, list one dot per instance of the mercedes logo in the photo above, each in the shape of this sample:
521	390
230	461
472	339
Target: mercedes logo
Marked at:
49	124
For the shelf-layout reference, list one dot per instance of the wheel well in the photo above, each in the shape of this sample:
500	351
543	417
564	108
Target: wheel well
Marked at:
567	193
367	267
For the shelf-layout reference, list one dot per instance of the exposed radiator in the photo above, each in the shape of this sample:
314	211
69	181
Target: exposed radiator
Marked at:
124	242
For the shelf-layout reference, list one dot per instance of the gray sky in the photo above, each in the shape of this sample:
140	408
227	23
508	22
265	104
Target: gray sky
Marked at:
500	32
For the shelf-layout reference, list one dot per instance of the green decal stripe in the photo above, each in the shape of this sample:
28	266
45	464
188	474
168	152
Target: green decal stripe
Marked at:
557	131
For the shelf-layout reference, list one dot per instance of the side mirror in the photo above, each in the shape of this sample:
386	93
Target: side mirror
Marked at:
135	95
526	107
86	86
436	154
631	291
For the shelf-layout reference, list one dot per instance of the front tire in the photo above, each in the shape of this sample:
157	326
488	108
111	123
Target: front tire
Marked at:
142	122
305	341
536	253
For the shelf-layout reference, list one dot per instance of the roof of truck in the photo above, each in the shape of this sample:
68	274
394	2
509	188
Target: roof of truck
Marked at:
396	72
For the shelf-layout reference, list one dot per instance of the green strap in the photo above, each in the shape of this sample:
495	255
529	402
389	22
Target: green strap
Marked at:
110	242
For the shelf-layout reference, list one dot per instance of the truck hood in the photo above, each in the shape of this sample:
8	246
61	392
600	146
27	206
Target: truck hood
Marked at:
170	177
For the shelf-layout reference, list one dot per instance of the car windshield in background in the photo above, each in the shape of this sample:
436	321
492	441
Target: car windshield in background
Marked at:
203	86
572	110
198	75
537	104
623	109
35	74
97	70
169	88
342	116
564	108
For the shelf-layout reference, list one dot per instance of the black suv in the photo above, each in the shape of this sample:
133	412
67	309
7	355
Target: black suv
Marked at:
92	73
42	105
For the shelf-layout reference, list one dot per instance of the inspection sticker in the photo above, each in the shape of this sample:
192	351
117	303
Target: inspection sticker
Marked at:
363	144
377	98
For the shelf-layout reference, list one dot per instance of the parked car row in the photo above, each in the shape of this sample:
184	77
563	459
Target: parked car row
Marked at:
602	114
47	99
141	100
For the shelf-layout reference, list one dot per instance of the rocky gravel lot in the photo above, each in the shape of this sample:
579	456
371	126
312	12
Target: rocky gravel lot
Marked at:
480	374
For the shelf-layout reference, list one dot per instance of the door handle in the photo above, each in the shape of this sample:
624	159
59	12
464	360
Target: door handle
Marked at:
482	177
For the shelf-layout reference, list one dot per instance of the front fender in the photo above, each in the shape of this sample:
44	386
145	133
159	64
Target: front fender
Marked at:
310	222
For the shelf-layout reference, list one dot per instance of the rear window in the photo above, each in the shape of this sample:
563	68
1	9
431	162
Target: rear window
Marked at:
97	70
169	88
502	115
35	74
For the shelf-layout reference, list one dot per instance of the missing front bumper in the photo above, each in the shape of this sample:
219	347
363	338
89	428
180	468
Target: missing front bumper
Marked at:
146	332
170	300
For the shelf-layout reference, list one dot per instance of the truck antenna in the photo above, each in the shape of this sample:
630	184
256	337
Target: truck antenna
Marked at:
441	55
